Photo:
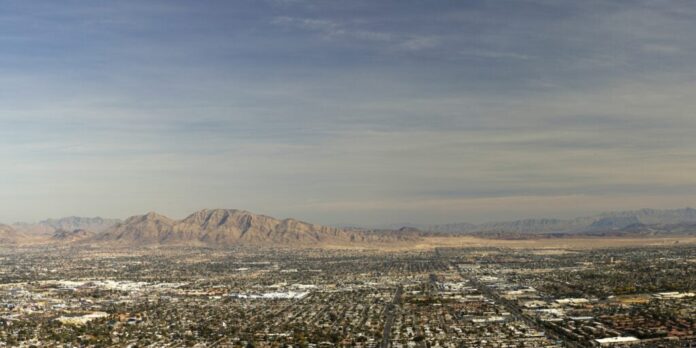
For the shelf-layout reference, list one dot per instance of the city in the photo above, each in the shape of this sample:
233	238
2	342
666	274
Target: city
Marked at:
446	297
347	174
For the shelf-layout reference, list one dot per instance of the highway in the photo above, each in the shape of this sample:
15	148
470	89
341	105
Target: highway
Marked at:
517	313
386	336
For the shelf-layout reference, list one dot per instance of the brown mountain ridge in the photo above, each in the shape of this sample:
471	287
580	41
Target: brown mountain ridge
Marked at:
8	235
224	227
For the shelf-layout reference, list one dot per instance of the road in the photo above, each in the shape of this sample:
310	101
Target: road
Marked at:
517	313
386	336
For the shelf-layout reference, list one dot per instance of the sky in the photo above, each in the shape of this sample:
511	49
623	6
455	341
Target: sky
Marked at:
354	112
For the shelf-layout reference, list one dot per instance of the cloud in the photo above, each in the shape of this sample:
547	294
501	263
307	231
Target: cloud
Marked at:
339	30
496	54
332	29
661	48
444	112
419	43
479	210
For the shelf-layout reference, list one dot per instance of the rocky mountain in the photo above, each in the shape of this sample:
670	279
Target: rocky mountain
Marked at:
72	236
148	228
598	223
50	226
8	235
230	227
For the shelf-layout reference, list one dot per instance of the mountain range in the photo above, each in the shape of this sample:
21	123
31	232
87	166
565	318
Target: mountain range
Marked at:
602	222
72	236
50	226
226	227
222	227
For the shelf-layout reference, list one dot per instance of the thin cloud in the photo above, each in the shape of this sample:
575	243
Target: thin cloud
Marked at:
419	43
496	54
444	112
332	29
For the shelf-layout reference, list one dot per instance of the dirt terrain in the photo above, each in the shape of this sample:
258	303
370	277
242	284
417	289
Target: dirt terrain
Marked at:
544	243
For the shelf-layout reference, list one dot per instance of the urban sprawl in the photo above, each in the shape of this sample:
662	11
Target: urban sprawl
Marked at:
476	297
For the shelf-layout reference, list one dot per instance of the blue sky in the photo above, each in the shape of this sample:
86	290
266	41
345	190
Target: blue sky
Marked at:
359	112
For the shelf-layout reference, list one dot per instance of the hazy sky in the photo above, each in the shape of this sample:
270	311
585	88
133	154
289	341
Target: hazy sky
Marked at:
337	112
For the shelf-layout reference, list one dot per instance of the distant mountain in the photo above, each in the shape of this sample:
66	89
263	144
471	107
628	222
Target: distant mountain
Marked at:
615	222
450	228
656	216
639	229
148	228
225	227
533	225
598	223
630	231
230	227
37	229
516	226
72	236
8	235
50	226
